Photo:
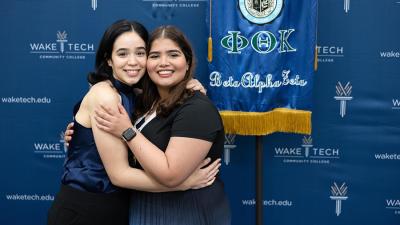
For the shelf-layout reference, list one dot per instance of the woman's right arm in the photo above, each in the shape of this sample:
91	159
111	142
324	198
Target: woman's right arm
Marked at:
115	159
113	151
114	155
201	177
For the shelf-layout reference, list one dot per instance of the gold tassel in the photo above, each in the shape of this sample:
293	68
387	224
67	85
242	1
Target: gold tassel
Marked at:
277	120
210	53
210	48
316	59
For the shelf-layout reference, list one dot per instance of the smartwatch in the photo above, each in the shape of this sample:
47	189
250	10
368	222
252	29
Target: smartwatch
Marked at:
128	134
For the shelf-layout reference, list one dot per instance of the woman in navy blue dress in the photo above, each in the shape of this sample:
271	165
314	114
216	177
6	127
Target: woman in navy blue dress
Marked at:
174	131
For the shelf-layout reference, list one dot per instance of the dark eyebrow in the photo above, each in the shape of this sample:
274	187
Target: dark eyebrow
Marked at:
174	51
121	49
125	49
141	48
154	52
169	51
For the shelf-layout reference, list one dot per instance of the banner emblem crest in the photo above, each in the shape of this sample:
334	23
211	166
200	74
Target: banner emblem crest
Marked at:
260	11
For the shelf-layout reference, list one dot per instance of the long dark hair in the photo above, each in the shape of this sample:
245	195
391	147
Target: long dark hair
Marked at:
102	70
150	99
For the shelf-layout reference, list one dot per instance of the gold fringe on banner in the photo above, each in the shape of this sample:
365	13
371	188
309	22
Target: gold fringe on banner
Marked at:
277	120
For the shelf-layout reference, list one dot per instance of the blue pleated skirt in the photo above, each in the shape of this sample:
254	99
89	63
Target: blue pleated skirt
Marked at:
206	206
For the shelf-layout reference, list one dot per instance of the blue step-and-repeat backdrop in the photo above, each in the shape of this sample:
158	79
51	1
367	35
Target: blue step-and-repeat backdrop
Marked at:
347	172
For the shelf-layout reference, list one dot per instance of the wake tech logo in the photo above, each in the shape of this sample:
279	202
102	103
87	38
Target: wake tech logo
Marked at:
307	153
62	48
328	54
51	149
338	195
343	95
229	145
394	205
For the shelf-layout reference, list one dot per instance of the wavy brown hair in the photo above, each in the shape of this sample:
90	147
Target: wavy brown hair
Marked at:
150	99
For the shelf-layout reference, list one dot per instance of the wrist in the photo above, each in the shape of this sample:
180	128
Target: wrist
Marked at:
129	134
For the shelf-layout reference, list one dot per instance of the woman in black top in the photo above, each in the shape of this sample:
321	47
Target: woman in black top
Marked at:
175	130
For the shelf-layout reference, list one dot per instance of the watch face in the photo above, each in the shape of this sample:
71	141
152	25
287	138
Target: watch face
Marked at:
128	134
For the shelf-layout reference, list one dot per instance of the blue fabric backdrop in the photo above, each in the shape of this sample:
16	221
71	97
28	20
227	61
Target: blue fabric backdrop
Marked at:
347	172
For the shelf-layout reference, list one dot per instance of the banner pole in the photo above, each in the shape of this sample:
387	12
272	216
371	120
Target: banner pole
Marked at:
259	180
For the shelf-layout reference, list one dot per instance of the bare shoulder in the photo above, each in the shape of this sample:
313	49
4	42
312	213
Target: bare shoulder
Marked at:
103	93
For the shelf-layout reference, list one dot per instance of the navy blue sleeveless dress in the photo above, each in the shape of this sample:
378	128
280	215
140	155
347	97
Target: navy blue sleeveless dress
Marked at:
83	168
87	195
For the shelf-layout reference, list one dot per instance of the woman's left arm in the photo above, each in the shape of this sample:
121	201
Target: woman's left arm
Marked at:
180	159
171	168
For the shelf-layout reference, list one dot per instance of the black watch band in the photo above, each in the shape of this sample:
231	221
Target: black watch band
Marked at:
128	134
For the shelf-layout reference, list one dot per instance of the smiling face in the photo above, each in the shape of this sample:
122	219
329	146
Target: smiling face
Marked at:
166	64
128	58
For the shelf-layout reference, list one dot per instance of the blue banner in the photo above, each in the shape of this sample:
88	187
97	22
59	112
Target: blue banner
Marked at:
262	64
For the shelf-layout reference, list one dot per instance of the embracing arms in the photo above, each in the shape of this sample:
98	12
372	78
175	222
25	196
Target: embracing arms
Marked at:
114	155
170	168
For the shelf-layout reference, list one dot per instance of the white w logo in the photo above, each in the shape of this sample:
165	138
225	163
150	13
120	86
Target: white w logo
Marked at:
339	191
307	140
229	139
343	91
396	103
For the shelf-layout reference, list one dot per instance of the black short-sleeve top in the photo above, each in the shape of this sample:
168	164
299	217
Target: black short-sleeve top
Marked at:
196	118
